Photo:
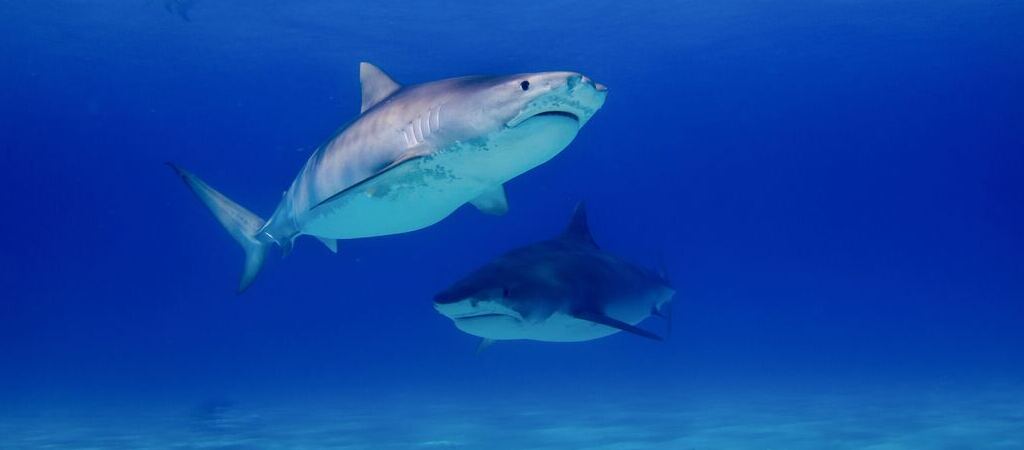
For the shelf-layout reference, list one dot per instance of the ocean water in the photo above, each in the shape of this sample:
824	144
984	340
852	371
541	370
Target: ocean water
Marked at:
836	190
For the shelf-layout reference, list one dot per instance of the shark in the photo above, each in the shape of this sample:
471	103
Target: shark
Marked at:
565	289
412	156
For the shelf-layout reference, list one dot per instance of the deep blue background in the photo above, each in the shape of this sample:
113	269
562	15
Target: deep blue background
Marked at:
836	187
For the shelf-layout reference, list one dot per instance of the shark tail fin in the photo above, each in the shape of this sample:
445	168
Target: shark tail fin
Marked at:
239	222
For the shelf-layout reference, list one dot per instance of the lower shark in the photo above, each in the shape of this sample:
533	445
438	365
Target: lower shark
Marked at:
413	156
564	289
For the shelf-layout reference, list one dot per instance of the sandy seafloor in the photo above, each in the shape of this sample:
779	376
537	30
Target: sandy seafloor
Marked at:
935	417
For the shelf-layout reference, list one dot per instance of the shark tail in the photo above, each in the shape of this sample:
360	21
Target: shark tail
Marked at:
240	223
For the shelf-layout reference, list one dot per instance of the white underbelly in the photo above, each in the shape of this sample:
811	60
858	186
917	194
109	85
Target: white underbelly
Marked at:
559	327
412	196
565	328
421	192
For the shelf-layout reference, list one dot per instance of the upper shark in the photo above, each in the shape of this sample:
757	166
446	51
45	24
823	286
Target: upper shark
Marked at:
413	156
560	290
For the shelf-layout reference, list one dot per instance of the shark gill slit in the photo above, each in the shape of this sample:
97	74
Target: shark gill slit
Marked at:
412	133
437	117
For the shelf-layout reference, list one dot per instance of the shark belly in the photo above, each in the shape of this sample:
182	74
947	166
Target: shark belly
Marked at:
562	327
412	196
423	191
558	327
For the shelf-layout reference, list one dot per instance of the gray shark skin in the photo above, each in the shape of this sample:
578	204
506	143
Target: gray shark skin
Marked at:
413	156
560	290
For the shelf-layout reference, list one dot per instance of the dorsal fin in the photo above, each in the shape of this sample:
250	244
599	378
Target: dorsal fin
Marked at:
377	85
578	230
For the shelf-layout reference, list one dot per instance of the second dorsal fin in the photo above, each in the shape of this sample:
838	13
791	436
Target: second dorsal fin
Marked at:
377	85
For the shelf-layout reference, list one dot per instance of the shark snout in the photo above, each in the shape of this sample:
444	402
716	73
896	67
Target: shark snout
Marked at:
446	297
577	81
454	307
474	308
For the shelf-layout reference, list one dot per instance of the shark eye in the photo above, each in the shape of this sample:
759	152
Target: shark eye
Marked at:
525	85
504	291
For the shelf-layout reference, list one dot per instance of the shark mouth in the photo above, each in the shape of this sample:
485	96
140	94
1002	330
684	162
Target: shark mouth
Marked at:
486	315
520	119
471	309
457	313
557	114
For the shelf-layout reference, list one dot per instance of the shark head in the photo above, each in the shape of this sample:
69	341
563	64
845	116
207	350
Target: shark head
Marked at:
521	98
522	120
555	99
500	300
484	313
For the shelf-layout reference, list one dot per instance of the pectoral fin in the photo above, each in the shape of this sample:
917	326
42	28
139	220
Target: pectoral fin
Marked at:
597	317
493	201
411	155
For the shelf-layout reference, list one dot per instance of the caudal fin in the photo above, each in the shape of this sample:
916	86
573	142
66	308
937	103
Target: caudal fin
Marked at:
241	224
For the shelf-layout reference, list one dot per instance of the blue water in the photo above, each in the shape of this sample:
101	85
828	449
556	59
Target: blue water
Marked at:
836	188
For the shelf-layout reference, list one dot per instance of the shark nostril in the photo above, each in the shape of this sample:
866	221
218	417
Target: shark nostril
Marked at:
574	81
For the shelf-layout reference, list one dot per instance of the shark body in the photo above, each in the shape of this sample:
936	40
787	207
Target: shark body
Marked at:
413	156
561	290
